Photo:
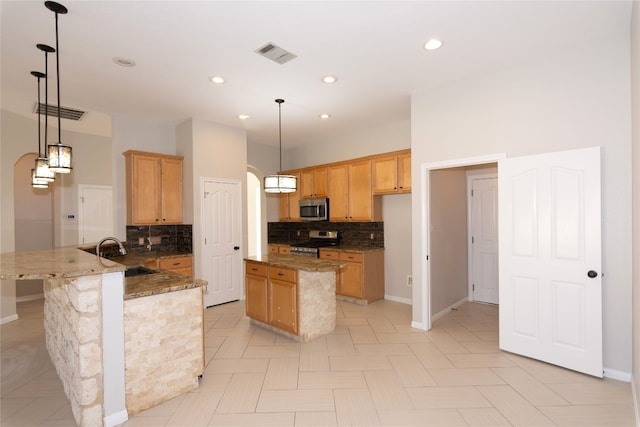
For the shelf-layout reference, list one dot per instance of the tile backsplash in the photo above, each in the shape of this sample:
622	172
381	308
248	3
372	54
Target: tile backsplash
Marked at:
164	238
352	233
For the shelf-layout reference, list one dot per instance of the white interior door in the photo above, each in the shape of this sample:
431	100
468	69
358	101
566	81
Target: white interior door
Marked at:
221	254
95	213
484	239
550	258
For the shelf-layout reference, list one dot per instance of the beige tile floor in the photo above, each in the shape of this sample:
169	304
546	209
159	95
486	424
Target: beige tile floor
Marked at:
373	370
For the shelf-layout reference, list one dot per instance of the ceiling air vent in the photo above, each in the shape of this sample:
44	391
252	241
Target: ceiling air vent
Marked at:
65	113
275	53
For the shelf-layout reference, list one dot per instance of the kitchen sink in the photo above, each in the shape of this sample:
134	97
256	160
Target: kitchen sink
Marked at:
138	271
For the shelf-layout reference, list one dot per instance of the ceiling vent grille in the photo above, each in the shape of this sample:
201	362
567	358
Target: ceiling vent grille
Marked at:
65	113
275	53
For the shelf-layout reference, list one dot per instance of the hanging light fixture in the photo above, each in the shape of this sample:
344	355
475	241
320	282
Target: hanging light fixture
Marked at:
42	171
280	183
59	155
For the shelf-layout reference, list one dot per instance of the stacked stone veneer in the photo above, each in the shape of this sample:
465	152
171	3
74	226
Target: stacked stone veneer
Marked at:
73	330
164	347
316	304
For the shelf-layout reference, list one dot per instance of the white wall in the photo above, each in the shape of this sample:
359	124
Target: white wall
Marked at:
635	121
266	160
579	98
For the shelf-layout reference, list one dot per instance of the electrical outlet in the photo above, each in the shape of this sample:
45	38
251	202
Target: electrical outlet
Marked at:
141	240
371	236
409	280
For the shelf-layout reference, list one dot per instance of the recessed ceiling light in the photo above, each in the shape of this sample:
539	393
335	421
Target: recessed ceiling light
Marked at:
325	116
433	44
124	62
329	79
217	80
243	116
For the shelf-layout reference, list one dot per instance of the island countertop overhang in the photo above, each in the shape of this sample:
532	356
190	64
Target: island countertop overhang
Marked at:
298	262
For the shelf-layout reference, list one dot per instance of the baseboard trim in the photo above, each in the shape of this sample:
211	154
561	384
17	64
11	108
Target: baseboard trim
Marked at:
418	325
448	309
407	301
634	393
116	418
29	297
614	374
8	319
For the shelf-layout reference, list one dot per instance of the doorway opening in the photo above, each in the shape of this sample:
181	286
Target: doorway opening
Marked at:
256	213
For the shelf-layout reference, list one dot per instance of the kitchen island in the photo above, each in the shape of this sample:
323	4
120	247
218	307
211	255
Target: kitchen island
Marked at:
292	295
111	339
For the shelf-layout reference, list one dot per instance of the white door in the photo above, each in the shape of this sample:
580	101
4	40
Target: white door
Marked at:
550	258
484	240
221	254
95	213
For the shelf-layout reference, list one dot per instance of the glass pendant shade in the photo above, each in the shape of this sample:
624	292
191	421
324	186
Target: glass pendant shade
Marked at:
42	170
59	158
38	182
280	184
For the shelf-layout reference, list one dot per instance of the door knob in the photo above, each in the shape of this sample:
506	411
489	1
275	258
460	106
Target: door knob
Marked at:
235	248
592	274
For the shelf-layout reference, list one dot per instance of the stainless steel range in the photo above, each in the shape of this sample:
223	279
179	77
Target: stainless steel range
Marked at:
317	240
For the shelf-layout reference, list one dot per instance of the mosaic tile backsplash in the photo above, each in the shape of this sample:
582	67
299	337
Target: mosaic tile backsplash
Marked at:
164	238
352	233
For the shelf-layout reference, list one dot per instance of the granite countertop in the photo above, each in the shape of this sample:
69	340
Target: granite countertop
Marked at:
73	262
354	248
297	262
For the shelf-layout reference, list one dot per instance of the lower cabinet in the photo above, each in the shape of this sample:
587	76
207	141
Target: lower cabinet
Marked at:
363	276
181	265
277	248
272	295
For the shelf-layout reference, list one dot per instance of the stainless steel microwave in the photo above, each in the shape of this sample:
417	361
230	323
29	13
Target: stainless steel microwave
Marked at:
314	209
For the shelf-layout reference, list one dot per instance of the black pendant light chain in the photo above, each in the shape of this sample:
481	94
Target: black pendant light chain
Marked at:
57	8
39	75
280	102
47	50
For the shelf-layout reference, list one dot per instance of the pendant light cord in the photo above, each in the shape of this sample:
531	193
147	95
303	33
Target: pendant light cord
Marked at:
280	101
58	80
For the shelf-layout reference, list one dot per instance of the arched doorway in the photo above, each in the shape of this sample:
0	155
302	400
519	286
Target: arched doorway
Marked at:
256	213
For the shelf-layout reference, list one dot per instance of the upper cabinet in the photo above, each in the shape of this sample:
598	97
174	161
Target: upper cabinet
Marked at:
154	188
392	173
313	182
289	207
350	194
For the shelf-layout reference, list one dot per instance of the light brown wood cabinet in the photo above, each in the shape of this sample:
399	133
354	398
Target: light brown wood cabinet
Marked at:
153	188
392	173
276	248
256	299
289	206
363	277
283	299
272	295
350	193
313	182
181	265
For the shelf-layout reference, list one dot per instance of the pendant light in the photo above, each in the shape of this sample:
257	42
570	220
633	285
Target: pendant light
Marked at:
280	183
42	171
38	182
59	155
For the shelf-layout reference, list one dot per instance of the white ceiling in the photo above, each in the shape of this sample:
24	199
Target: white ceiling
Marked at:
373	47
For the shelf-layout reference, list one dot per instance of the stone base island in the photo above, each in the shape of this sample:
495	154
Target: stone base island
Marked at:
119	345
292	295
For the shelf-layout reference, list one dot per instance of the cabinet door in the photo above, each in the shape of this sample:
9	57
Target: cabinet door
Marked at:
307	189
289	209
351	280
282	305
171	195
338	190
256	302
320	182
385	175
181	265
404	172
144	190
360	193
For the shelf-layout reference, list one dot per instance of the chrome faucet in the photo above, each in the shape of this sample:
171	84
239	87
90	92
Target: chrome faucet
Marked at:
122	250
